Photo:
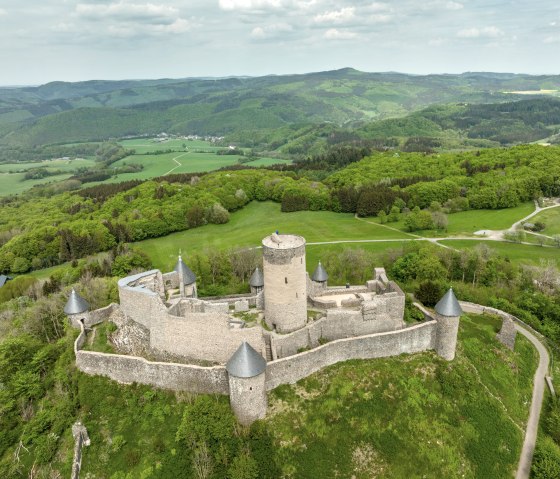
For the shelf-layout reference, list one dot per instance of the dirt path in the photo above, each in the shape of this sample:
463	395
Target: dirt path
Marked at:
178	164
526	457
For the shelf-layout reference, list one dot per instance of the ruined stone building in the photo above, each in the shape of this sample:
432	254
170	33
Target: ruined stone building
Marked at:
289	326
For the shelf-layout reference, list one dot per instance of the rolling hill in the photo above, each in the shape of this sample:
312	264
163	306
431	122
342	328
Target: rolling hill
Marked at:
66	112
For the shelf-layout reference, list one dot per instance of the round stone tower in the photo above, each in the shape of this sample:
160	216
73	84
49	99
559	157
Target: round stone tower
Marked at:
448	312
285	282
247	391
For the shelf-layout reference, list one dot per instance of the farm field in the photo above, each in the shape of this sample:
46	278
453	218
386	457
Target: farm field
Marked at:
149	145
160	165
268	162
13	183
403	417
551	218
517	253
248	226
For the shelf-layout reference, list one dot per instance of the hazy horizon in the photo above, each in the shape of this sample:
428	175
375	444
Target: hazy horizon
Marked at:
156	78
44	41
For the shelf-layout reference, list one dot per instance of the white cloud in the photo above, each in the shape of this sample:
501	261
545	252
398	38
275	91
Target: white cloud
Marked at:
343	15
336	34
3	12
380	18
486	32
378	7
454	6
127	11
552	39
270	31
249	4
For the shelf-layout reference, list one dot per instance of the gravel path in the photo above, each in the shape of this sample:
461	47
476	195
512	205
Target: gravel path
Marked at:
526	457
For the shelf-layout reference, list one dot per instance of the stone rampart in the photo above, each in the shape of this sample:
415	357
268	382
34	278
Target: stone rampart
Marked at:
414	339
381	313
138	302
130	369
202	336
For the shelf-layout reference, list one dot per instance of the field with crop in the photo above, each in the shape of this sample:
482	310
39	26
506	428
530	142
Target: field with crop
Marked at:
12	175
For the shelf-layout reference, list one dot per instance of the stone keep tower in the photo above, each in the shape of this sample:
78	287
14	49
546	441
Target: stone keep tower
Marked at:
448	312
247	391
285	282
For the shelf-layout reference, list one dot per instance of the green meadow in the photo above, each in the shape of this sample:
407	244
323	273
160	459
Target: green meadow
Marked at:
176	162
515	252
248	226
151	145
468	222
551	218
12	174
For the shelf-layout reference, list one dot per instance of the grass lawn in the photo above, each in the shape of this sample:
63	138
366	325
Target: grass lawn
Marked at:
409	416
249	225
517	253
551	218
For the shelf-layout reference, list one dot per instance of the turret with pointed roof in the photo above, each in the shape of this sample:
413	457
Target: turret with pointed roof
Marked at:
320	275
247	391
245	362
448	312
448	305
256	282
75	304
188	276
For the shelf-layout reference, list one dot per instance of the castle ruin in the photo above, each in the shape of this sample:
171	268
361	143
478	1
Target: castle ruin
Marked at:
289	326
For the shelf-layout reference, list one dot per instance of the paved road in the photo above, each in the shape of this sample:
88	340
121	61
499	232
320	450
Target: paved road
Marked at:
526	457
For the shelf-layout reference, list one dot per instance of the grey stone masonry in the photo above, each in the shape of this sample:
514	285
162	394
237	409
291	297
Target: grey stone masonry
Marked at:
81	438
247	397
508	332
241	305
285	282
447	330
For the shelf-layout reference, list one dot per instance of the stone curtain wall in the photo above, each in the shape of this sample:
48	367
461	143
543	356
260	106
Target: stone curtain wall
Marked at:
414	339
214	380
203	337
129	369
141	304
384	313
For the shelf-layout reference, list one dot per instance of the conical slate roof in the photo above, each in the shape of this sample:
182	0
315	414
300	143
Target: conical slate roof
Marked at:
188	276
319	275
257	278
76	304
245	362
448	305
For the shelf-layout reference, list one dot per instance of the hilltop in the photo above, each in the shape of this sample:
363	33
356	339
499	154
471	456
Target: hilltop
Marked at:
62	112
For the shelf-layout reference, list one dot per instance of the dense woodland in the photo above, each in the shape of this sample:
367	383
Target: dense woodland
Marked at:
37	231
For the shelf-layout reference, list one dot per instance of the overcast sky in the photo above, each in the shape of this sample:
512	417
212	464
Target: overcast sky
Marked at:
45	40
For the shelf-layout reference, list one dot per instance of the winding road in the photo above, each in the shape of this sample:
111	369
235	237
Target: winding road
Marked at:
526	457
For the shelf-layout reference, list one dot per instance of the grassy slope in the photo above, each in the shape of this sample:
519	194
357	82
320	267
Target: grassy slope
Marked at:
551	218
468	222
248	226
517	253
12	183
410	416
